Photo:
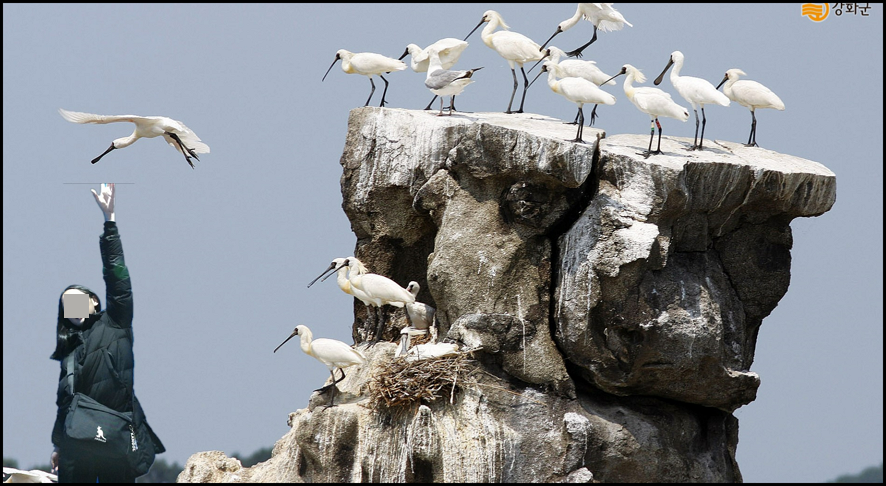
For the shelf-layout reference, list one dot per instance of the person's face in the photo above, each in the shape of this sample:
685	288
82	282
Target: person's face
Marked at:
78	305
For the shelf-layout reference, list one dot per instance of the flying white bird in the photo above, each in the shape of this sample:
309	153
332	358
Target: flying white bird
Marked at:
516	48
652	101
602	15
173	131
449	49
335	354
578	91
443	82
13	475
751	95
367	64
696	91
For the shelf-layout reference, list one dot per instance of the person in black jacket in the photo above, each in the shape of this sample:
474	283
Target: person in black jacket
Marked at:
100	344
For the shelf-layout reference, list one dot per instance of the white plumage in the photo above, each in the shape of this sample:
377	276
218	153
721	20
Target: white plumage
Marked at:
696	91
751	95
335	354
13	475
176	134
368	64
652	101
516	48
578	91
602	15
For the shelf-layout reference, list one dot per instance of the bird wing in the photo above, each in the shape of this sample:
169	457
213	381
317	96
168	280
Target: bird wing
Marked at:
442	78
80	117
189	138
380	287
336	353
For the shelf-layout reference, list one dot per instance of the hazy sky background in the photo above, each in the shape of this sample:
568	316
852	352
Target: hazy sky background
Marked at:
220	256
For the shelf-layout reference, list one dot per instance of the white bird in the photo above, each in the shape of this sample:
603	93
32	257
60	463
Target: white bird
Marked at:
602	15
421	318
751	95
443	82
652	101
431	350
578	91
516	48
14	475
406	335
335	354
421	315
339	268
173	131
367	64
379	290
575	68
696	91
449	49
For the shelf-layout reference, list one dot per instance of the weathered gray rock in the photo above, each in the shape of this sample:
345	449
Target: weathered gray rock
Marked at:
615	301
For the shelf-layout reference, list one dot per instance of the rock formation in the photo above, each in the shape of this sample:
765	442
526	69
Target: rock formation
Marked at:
613	301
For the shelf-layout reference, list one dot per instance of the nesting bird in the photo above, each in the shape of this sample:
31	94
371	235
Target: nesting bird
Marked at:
443	82
421	318
516	48
335	354
751	95
578	91
449	49
368	64
696	91
652	101
176	134
602	15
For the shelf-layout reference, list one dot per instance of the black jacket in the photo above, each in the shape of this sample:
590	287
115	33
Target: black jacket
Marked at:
102	347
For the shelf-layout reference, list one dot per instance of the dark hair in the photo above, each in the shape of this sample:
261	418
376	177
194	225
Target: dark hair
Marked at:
66	337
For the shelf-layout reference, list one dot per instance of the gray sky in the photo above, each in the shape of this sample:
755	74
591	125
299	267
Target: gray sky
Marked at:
220	256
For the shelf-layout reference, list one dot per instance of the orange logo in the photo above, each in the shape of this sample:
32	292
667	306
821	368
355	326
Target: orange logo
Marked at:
816	11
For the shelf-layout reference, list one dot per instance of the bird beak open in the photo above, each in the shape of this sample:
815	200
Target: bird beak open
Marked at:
661	76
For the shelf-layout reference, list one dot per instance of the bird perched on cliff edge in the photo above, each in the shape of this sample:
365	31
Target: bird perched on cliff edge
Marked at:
751	95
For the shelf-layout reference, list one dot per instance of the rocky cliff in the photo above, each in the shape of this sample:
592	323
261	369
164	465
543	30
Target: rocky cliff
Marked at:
612	302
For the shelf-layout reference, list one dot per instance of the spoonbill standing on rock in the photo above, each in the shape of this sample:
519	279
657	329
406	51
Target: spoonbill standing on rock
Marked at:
750	94
367	64
449	49
602	15
652	101
516	48
173	131
443	82
696	91
578	91
335	354
379	290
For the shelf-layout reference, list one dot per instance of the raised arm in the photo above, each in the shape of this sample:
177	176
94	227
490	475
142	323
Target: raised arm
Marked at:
117	284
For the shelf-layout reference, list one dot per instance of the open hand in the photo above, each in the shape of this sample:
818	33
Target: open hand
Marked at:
105	200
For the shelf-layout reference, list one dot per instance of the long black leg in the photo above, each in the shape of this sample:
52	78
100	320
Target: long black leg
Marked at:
185	150
514	74
577	52
371	92
651	136
593	116
452	104
695	138
112	148
752	138
703	122
383	92
657	123
581	122
431	103
525	88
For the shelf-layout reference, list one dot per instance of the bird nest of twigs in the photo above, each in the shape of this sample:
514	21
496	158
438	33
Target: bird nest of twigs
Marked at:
401	383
